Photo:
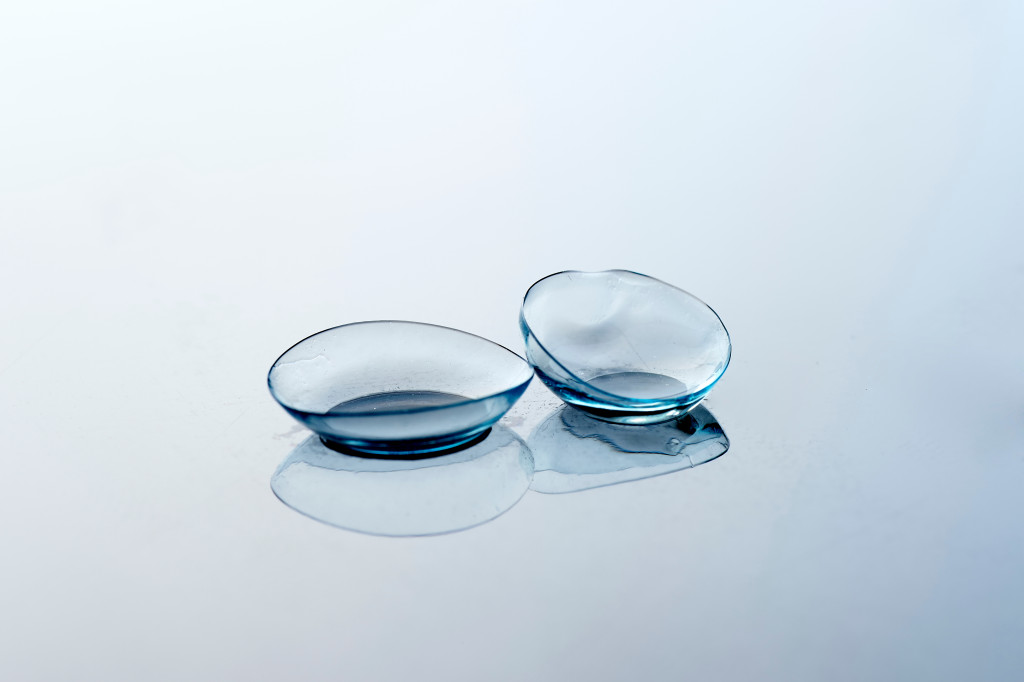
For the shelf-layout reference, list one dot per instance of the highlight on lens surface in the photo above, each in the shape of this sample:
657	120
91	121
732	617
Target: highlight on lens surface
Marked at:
392	387
622	346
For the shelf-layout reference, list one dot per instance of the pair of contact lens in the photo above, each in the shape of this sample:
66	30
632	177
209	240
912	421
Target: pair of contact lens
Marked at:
621	346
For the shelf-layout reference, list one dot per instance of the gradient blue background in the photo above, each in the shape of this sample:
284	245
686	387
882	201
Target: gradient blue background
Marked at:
188	188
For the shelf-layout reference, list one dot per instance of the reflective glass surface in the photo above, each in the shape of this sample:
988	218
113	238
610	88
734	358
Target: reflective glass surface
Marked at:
187	189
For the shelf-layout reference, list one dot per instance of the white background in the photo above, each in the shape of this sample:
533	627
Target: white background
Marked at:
188	188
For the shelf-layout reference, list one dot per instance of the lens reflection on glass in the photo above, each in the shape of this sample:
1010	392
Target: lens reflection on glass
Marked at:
404	497
574	452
